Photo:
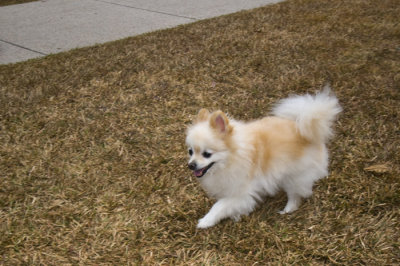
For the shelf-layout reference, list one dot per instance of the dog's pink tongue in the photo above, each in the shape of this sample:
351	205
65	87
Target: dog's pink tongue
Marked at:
198	172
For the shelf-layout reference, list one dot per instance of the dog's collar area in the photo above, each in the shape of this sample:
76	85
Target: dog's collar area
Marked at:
200	172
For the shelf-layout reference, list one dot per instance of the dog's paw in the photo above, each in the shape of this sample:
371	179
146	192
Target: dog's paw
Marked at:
236	218
205	223
288	210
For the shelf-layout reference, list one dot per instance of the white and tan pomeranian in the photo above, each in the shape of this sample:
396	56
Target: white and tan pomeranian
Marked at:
238	163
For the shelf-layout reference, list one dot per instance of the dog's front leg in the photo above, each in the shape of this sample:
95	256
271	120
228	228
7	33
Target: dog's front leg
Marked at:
227	208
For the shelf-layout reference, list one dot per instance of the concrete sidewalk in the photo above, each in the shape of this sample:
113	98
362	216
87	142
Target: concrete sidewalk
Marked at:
50	26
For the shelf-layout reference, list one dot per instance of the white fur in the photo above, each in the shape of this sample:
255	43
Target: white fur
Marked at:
237	182
313	114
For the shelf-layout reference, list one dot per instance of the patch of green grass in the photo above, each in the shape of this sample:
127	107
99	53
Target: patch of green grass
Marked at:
92	155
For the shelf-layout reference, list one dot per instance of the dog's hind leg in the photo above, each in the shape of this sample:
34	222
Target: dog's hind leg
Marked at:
296	189
294	201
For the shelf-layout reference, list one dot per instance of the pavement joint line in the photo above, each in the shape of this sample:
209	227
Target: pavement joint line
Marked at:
148	10
22	47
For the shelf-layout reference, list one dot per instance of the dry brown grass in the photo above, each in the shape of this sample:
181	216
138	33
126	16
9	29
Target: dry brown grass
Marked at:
93	163
14	2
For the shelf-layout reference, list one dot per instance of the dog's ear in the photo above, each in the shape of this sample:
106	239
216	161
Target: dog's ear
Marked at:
220	122
202	115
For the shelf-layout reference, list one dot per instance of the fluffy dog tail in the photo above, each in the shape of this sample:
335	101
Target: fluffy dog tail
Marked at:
313	114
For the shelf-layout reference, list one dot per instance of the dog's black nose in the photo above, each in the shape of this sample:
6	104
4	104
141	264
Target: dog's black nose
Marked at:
192	166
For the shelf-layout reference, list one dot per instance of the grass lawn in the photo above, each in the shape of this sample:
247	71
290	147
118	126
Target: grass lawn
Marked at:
92	156
14	2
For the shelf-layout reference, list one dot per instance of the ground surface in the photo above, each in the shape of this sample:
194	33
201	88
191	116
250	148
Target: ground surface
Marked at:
14	2
92	155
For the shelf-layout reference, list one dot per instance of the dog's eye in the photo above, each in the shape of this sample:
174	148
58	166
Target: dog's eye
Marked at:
206	154
190	152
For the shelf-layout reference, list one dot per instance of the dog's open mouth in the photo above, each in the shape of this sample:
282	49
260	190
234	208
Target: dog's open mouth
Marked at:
200	172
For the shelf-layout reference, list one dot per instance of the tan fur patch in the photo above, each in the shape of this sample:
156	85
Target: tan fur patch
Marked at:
275	138
202	115
196	149
220	123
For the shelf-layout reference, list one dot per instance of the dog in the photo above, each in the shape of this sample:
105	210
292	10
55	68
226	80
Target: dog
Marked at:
238	163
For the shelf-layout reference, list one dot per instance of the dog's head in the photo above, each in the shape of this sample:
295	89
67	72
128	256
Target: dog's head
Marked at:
209	142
